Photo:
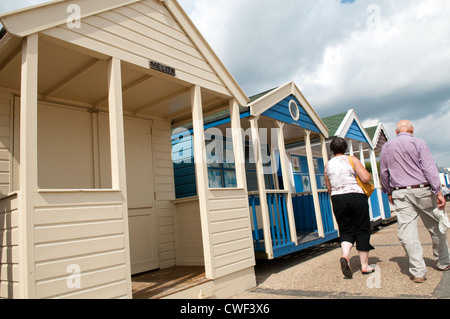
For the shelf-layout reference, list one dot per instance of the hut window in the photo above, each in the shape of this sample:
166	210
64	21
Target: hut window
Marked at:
293	109
250	170
220	160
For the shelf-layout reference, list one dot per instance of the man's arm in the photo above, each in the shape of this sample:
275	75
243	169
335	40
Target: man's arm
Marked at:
429	168
385	177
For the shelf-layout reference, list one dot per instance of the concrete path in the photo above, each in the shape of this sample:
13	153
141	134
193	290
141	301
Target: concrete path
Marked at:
315	273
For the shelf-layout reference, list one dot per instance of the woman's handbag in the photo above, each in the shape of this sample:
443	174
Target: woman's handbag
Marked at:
366	187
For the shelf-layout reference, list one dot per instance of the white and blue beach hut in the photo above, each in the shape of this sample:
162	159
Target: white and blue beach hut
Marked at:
348	126
291	217
380	137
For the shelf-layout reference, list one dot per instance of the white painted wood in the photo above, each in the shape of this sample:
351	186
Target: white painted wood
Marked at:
323	145
261	186
117	145
187	25
238	146
165	191
312	176
262	104
6	140
230	227
286	182
142	218
85	229
188	234
10	271
350	147
63	164
361	153
202	178
28	161
377	183
38	18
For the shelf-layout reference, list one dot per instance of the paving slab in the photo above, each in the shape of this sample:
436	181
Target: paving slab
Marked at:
315	273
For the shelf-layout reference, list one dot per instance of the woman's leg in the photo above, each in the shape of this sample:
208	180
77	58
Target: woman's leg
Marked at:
346	249
364	259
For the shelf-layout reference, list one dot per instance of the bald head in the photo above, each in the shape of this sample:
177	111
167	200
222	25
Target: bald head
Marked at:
405	126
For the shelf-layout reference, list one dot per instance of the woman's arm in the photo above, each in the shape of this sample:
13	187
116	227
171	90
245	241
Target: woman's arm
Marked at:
362	172
327	181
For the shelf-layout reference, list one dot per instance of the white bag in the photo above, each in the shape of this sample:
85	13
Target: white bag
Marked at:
441	216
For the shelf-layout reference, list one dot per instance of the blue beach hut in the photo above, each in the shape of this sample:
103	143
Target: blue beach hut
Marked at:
348	126
379	137
285	216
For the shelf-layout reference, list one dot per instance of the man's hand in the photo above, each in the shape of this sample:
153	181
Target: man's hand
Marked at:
441	202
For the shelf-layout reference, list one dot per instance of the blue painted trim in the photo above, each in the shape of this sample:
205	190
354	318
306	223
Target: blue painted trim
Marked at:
289	249
355	133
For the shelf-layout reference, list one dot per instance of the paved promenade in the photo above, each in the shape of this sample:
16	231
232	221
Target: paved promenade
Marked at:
315	273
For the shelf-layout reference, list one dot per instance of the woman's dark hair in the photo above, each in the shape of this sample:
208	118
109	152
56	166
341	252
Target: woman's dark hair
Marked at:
338	146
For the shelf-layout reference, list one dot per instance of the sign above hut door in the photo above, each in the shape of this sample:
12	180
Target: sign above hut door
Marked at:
141	202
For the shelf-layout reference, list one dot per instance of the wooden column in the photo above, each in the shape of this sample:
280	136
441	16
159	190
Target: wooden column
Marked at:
28	162
117	141
350	147
315	192
286	182
325	162
261	187
238	146
376	182
201	173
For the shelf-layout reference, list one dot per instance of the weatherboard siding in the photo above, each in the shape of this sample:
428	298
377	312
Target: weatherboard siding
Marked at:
280	112
355	133
164	191
5	143
79	233
9	247
230	231
140	33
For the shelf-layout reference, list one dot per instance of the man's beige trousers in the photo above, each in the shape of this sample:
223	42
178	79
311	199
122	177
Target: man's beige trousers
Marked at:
409	205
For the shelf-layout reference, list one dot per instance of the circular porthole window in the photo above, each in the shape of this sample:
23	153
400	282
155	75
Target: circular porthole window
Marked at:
293	109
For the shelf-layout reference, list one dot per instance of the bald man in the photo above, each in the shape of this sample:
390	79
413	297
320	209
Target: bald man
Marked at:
410	177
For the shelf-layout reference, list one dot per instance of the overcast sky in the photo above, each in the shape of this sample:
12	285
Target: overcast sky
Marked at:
387	59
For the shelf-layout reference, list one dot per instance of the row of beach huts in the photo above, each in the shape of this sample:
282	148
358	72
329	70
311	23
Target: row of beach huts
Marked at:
127	148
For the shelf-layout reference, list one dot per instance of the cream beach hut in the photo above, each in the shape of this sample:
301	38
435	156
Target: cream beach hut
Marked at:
88	94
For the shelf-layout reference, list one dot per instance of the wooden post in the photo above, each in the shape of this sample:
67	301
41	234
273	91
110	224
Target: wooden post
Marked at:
350	147
361	154
238	147
201	172
376	182
325	162
261	187
28	162
286	182
117	141
315	192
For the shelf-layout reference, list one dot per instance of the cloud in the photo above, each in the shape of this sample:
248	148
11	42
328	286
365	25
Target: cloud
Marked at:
388	60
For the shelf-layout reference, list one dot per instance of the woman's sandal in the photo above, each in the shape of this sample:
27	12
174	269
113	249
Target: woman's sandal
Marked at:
346	270
371	271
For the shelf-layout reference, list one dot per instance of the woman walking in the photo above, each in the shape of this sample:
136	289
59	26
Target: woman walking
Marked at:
350	205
